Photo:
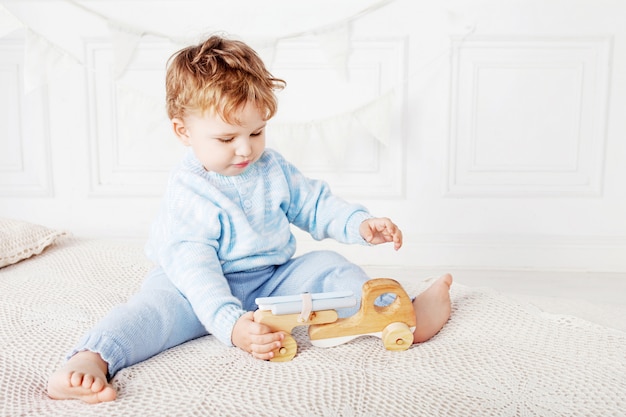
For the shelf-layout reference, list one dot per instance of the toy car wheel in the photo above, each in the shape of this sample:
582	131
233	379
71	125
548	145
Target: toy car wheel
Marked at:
397	336
287	351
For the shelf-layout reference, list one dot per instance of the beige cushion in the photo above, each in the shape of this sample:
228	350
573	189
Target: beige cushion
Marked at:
20	240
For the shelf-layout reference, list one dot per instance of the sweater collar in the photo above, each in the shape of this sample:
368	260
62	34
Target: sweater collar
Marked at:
192	164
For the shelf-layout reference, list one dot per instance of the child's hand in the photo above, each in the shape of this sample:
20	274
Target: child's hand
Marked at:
256	338
381	230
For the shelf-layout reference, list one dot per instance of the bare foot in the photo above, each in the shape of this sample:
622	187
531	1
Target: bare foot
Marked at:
432	309
82	378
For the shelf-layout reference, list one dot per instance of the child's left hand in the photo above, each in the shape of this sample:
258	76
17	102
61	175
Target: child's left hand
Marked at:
381	230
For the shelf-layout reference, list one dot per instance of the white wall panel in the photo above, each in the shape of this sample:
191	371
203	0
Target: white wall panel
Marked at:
528	116
132	147
506	147
24	126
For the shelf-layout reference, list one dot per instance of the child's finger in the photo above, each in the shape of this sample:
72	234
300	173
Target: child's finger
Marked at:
397	240
265	350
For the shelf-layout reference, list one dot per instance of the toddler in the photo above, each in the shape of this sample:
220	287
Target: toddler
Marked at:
222	236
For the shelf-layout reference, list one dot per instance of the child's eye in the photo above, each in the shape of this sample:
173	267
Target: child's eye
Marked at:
225	140
256	133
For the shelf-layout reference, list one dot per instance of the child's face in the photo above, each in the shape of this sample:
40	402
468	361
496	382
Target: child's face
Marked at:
221	147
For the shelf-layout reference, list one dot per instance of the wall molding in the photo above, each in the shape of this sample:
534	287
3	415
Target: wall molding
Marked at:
25	165
551	139
131	145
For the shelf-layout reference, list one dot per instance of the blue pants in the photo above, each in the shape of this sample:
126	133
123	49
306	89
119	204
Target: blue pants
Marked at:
159	317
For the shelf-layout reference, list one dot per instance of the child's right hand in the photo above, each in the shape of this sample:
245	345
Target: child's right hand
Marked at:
256	338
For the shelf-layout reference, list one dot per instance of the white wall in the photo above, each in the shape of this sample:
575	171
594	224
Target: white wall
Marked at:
490	131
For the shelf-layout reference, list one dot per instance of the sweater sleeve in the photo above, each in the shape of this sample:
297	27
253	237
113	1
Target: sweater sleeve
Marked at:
315	209
193	266
188	236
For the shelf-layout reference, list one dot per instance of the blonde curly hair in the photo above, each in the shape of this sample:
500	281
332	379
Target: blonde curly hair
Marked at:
219	75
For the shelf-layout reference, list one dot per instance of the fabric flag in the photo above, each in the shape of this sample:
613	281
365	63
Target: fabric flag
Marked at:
8	22
44	61
335	42
125	41
376	117
335	133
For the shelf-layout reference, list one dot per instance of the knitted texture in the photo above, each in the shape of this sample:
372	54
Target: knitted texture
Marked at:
20	240
495	357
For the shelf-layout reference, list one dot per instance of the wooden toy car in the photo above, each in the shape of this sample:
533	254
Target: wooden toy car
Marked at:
393	323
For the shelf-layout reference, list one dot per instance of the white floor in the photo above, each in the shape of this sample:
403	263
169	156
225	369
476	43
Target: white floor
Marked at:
600	288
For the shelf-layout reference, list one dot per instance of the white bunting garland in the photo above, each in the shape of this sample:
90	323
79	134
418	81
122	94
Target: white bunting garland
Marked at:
374	117
334	38
45	60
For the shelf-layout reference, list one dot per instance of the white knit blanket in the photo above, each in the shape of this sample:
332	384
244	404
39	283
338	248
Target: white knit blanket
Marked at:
497	356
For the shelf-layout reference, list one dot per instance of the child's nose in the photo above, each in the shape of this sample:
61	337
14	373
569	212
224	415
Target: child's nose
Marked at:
244	148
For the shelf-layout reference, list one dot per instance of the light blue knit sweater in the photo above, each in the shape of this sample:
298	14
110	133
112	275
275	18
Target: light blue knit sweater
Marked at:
210	224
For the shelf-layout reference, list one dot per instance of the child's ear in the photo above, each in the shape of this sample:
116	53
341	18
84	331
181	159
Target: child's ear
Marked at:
180	131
